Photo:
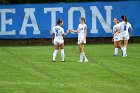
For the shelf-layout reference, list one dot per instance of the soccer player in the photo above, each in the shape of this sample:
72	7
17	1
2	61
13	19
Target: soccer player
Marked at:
116	36
82	31
124	27
57	39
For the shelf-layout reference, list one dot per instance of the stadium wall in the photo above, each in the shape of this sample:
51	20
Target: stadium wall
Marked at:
46	41
31	23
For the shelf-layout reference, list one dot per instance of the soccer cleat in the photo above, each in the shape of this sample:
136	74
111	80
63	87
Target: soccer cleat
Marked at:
80	61
124	55
86	61
53	61
63	61
114	55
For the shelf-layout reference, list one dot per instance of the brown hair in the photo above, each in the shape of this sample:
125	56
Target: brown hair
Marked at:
124	18
83	19
59	21
117	20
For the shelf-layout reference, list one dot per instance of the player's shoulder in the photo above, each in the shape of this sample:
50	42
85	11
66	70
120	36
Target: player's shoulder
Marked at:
121	23
114	26
54	27
79	25
85	25
117	25
128	23
61	28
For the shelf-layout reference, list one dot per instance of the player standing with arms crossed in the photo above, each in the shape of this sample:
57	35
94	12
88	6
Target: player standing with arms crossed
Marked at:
82	31
124	27
57	39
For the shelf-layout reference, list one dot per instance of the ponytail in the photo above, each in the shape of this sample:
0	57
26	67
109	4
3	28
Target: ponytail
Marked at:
124	18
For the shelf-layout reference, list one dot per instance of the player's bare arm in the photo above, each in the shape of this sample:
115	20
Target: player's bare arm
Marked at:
75	31
53	38
66	33
117	31
85	33
131	31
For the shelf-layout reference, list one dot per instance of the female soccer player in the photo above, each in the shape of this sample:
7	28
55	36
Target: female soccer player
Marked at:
116	36
124	27
82	31
57	39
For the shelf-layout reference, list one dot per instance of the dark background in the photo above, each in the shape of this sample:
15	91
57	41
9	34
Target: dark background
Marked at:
52	1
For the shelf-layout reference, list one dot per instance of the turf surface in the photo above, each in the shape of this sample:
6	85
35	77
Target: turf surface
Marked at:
28	69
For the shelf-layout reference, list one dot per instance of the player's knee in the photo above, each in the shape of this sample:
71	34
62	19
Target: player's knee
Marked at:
119	47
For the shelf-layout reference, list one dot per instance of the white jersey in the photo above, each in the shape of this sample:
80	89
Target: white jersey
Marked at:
115	28
58	31
116	37
80	30
124	27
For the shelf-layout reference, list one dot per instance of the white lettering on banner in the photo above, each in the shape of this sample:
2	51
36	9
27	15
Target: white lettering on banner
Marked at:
29	13
96	14
5	22
53	14
70	15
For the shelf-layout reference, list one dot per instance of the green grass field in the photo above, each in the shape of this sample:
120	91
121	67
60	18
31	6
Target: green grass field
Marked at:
28	69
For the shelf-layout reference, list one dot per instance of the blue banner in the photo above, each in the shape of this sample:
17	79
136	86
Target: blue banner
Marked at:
37	20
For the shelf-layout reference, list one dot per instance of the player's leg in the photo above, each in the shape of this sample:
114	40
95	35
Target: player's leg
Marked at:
55	51
125	48
84	55
115	48
126	38
81	52
62	52
122	44
119	46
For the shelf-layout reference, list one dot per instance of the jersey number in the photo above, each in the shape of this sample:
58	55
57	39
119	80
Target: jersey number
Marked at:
124	27
80	30
56	32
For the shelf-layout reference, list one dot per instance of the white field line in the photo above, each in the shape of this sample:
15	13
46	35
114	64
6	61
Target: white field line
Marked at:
19	83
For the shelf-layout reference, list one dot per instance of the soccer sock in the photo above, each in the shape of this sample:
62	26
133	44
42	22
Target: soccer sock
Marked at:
54	54
124	51
81	56
121	50
62	54
116	51
84	56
